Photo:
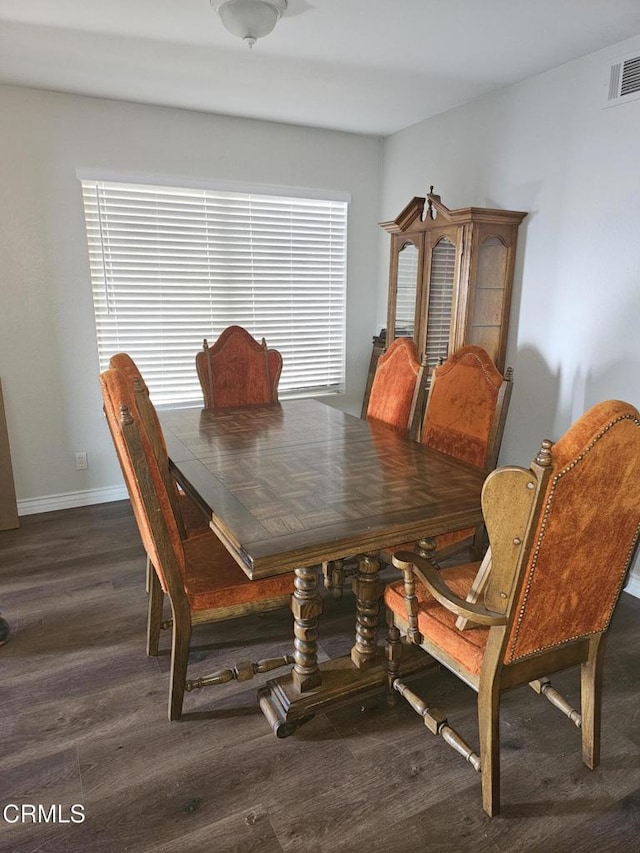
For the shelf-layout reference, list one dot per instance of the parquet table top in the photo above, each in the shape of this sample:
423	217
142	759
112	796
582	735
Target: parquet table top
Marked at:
299	482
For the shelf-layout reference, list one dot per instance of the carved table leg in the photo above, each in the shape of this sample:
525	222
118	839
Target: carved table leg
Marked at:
366	587
291	699
306	606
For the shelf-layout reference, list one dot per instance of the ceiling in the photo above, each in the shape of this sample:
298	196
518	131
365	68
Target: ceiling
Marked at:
366	66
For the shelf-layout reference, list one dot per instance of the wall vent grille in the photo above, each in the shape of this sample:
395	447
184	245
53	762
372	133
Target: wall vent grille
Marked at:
624	81
630	76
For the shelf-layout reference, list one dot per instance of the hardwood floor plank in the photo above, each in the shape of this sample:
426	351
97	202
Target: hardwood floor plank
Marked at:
616	827
248	831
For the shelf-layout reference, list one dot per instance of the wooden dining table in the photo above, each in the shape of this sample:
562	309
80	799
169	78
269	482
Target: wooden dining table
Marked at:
292	485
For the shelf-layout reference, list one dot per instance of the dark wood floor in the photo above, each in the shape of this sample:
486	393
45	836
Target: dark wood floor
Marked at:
83	720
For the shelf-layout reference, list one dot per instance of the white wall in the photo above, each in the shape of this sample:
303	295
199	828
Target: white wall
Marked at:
546	146
48	356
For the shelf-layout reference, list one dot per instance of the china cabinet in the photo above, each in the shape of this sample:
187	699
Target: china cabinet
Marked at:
450	278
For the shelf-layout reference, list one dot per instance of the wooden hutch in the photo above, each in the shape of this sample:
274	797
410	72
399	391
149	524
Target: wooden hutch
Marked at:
450	278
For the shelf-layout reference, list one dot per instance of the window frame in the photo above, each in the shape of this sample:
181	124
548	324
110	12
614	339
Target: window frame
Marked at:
169	367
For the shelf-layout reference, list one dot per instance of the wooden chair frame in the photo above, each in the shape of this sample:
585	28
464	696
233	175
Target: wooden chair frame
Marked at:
183	617
189	516
513	504
149	418
475	542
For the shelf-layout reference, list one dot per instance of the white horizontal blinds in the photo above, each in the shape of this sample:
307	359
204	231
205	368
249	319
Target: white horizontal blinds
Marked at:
171	266
443	264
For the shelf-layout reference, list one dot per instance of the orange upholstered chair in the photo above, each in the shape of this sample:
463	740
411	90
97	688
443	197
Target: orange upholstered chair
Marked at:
190	518
467	407
465	417
396	400
238	371
397	389
202	582
562	534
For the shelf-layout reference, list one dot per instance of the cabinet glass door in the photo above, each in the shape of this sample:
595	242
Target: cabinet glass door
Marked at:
489	297
440	303
406	291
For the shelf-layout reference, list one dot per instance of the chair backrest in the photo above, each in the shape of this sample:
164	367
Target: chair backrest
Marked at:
149	497
564	532
122	361
397	387
467	407
126	365
238	371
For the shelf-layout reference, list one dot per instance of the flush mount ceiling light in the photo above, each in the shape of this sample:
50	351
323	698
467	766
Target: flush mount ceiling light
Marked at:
249	19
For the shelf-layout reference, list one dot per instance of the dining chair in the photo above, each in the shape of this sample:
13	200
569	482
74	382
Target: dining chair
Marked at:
465	417
238	371
190	517
563	534
397	393
198	575
396	400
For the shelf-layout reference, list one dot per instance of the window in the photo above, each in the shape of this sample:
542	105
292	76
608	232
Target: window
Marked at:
171	266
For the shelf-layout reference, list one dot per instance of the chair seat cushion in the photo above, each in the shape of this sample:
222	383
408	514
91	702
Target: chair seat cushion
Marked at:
437	624
214	579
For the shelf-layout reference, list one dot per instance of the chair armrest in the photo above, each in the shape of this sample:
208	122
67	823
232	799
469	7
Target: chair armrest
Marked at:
429	575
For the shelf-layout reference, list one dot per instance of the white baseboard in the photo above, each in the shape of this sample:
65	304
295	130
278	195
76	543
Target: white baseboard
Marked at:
68	500
633	586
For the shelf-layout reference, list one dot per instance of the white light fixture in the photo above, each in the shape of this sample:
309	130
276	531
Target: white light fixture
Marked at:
249	19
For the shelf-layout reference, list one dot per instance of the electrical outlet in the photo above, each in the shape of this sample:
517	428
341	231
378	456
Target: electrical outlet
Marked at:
81	461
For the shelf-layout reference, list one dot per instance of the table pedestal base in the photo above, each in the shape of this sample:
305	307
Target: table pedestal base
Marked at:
285	707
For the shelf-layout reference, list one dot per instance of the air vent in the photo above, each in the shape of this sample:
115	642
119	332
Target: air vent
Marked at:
624	81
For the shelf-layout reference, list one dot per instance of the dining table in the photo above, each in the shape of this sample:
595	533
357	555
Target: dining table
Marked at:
292	485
